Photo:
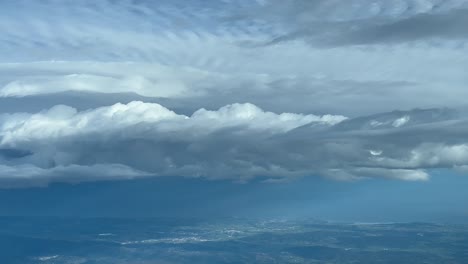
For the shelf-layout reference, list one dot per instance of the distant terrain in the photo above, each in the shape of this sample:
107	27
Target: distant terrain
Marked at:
231	240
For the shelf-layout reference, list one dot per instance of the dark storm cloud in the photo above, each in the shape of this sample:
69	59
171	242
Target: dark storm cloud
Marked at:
451	25
368	30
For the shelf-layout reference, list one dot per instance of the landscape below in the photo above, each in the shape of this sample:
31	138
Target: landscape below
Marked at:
226	240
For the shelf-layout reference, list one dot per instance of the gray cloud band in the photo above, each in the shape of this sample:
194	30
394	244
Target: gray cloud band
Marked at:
236	142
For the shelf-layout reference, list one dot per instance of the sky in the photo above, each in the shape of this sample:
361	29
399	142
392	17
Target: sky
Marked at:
256	107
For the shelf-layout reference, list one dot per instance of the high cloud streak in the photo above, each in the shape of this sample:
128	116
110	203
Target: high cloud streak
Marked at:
33	176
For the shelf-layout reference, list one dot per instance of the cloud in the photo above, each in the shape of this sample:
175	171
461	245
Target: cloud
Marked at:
437	26
133	85
31	176
62	121
366	82
154	80
237	142
145	137
337	23
361	173
339	55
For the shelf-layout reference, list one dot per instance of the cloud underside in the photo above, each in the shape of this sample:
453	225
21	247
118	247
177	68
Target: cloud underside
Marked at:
237	142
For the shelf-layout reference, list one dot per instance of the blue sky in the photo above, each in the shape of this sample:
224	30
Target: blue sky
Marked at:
255	95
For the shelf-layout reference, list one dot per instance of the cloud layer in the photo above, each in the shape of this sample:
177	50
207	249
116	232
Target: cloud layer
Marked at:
93	90
353	57
237	142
